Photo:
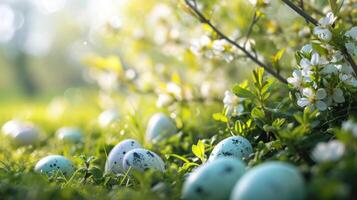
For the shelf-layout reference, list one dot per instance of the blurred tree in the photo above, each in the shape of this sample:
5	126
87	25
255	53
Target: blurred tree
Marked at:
18	56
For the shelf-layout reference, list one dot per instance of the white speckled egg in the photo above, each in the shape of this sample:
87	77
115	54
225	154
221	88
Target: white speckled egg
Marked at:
235	146
55	163
214	180
108	117
11	126
115	158
142	160
25	135
159	127
70	135
270	181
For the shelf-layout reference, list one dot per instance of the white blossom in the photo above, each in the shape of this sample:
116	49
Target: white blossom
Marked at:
323	33
174	89
350	126
307	65
254	2
306	48
164	100
296	80
352	33
328	20
329	151
329	69
198	45
311	99
338	95
351	48
231	104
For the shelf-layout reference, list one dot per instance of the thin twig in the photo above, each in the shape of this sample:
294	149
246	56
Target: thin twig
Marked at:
301	12
204	20
250	29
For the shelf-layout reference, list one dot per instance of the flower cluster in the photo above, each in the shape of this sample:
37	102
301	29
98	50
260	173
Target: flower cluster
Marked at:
329	151
232	105
351	44
169	94
323	76
350	126
219	48
322	31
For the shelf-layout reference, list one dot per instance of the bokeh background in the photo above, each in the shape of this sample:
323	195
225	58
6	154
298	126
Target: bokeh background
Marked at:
65	48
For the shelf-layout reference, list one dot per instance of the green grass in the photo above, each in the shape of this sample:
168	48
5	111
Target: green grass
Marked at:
18	179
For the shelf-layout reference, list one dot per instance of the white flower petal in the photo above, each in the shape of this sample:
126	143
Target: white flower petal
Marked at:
315	59
321	93
308	92
321	105
302	102
338	95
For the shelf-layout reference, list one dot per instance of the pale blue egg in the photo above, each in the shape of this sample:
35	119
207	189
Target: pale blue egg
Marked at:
142	160
53	164
214	180
160	127
270	181
70	135
26	135
235	146
21	133
11	126
115	158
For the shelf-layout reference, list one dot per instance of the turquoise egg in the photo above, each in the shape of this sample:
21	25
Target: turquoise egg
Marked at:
214	180
115	158
142	160
160	127
235	146
70	135
55	164
270	181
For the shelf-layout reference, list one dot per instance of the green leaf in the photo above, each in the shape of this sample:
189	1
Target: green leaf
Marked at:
179	157
258	76
278	123
199	150
278	55
220	117
257	113
241	92
267	86
317	47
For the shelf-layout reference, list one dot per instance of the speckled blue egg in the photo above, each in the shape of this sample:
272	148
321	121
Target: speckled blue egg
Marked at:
160	127
25	135
142	160
115	158
235	146
108	117
55	163
70	135
214	180
270	181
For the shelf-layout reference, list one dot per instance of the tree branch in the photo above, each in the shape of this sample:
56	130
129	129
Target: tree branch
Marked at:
301	12
204	20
